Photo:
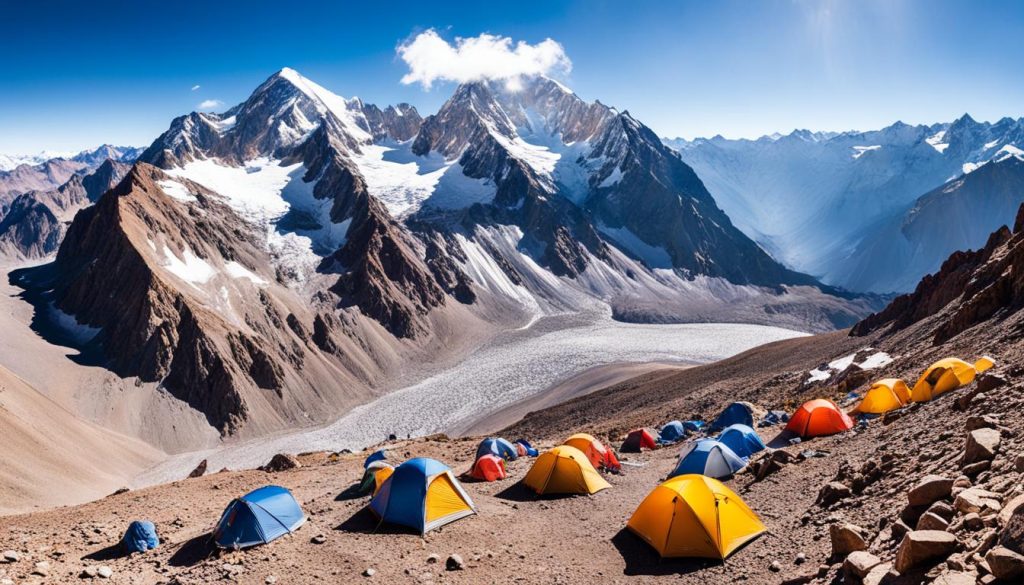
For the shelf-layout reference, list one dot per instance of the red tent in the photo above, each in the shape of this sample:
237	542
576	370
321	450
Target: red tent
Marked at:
637	440
488	468
817	418
599	455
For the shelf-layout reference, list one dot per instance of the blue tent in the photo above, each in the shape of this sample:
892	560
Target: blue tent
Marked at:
529	448
743	440
379	455
693	426
140	537
497	447
708	457
258	517
736	413
671	432
422	494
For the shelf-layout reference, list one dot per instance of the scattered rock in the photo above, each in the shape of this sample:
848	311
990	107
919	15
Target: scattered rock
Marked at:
985	421
954	578
775	567
929	490
976	500
1009	509
832	493
434	558
932	521
877	575
973	521
105	572
89	572
454	563
990	381
921	546
860	563
318	539
1018	463
270	580
800	559
899	530
11	556
975	468
942	510
42	569
982	445
846	538
369	572
281	462
199	470
1005	564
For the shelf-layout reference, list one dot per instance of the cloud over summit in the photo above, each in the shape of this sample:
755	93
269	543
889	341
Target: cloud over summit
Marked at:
486	57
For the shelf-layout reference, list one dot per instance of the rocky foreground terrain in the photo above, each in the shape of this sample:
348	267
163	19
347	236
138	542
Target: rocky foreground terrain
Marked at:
931	493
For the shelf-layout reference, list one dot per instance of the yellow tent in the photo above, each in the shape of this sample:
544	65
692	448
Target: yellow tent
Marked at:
694	516
945	375
564	470
380	476
885	395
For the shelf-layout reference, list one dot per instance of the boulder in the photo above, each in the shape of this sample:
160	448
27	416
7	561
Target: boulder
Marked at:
877	575
1005	564
1012	536
929	490
932	521
281	462
860	563
975	468
984	421
955	578
899	530
846	538
990	381
1009	509
975	500
832	493
454	563
942	510
922	546
982	445
199	471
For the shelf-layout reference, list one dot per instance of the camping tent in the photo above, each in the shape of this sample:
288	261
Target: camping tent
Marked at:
374	477
488	468
140	537
599	455
945	375
526	448
819	417
379	455
743	413
885	395
637	440
743	440
260	516
497	447
564	470
708	457
671	432
422	494
694	516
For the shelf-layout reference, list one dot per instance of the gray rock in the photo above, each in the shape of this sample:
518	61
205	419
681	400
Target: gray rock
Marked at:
104	572
42	568
921	546
270	580
11	556
832	493
281	462
1005	564
982	445
318	539
433	558
89	572
846	538
860	563
454	563
369	572
929	490
800	559
975	500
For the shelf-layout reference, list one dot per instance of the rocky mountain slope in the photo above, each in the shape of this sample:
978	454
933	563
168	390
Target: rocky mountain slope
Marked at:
277	263
817	199
35	223
38	174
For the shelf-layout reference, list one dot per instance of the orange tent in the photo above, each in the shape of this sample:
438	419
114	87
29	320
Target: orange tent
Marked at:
488	468
599	455
817	418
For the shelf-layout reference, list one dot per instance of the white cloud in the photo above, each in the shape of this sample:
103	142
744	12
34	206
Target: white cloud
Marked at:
209	104
195	87
486	57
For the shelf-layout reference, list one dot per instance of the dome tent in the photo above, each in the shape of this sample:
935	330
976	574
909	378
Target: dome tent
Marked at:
694	516
564	470
599	455
671	432
422	494
743	440
497	447
819	417
945	375
488	468
637	440
259	517
708	457
378	455
374	476
883	396
140	537
743	413
525	448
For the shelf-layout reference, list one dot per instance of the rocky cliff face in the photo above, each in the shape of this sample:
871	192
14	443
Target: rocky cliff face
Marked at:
971	287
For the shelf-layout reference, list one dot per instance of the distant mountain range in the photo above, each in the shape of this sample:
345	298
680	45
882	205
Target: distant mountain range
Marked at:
847	207
275	263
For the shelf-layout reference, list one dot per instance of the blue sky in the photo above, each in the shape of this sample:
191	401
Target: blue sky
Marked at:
76	74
